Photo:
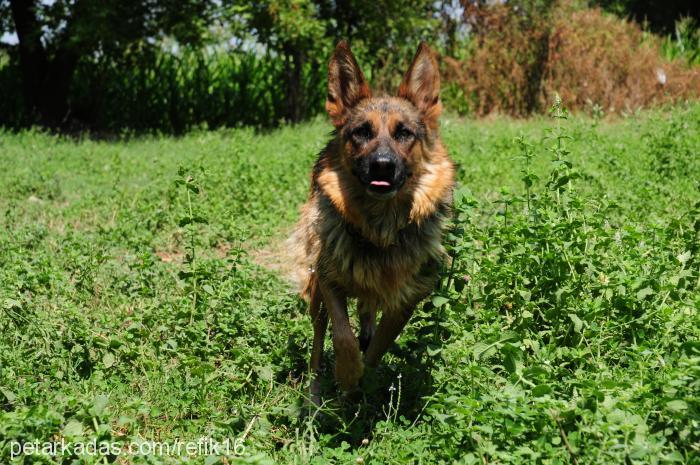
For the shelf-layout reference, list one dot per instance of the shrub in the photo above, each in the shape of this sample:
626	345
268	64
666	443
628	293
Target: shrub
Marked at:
502	74
685	41
174	92
599	59
145	89
522	57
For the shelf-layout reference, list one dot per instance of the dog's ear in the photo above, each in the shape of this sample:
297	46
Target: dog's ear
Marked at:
346	84
421	84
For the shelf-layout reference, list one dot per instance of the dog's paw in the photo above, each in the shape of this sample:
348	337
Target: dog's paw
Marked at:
367	330
348	369
353	396
315	392
364	342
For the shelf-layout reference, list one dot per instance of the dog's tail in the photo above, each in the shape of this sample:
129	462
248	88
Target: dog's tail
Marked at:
304	247
310	292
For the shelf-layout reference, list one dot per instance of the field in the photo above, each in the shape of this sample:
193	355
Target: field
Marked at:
144	297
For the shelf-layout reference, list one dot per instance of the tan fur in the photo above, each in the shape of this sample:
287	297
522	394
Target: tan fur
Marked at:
341	98
348	244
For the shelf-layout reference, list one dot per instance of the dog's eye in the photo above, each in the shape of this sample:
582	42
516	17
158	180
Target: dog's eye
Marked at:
362	133
403	134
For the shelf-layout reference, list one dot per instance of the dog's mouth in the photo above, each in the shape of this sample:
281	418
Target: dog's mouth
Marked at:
381	188
381	185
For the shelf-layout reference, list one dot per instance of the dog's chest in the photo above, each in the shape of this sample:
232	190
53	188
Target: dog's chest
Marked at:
397	273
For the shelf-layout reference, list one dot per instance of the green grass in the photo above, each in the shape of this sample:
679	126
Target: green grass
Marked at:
142	296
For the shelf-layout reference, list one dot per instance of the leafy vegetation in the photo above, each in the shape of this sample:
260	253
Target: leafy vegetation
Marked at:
144	297
170	67
520	58
684	42
78	66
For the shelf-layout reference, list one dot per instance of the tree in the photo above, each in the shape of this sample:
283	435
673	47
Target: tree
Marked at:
660	16
54	36
290	29
60	40
383	33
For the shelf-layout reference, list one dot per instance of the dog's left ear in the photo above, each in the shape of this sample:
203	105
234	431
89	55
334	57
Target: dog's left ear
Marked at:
421	84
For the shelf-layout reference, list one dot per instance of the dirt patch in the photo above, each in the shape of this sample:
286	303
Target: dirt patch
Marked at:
275	256
170	256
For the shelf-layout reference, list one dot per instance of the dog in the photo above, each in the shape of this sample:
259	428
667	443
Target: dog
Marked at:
381	192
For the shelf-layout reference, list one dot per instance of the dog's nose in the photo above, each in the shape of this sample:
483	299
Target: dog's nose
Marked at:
382	166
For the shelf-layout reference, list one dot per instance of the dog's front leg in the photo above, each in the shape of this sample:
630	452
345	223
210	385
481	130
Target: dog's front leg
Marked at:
348	361
390	325
319	318
368	324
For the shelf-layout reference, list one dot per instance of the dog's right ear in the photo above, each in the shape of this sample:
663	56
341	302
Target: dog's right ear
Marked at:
346	84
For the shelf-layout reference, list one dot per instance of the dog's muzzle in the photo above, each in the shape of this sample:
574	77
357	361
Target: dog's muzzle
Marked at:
384	174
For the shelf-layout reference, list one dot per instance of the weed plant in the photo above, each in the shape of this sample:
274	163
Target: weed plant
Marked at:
143	296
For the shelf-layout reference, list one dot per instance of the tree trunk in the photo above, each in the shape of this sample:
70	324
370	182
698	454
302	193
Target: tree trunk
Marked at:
32	56
294	62
45	82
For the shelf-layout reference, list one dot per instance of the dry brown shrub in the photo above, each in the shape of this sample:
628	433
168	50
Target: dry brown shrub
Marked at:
590	58
599	59
502	74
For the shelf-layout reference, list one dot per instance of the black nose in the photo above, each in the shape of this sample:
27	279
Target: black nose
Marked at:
382	167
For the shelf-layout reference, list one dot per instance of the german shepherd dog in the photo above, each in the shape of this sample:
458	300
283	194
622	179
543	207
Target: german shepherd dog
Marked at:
371	229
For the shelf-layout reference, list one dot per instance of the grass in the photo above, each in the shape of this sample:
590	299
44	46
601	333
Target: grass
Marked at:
143	297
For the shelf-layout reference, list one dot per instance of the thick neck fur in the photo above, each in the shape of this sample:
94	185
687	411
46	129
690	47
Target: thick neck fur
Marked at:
380	221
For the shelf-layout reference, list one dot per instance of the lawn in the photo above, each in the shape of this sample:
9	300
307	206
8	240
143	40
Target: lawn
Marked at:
144	297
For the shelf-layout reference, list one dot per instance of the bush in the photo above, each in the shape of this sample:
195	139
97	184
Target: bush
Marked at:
523	57
146	89
601	60
510	47
685	42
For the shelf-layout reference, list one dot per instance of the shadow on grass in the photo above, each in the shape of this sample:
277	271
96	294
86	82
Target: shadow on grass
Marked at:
397	388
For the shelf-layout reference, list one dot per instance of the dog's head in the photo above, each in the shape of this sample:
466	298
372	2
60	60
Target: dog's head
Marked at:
383	138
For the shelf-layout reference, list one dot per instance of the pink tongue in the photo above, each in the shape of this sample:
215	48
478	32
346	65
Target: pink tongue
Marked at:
380	183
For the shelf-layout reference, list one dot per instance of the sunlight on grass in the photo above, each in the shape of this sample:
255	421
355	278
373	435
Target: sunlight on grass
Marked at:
565	331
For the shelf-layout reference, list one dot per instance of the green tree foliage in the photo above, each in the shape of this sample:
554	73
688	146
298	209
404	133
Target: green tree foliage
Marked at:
383	34
172	65
54	36
226	62
292	30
